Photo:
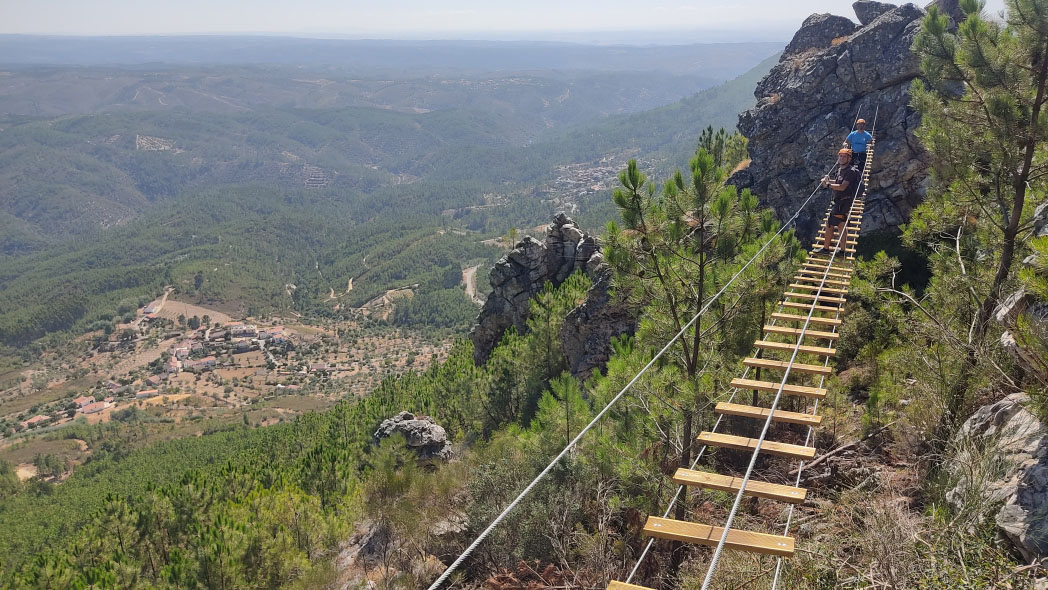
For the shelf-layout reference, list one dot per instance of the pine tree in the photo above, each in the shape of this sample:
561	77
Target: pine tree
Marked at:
984	124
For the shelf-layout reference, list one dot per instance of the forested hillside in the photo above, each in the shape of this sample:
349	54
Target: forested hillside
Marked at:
102	210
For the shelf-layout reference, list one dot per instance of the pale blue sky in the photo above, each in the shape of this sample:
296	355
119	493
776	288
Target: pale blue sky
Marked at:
497	19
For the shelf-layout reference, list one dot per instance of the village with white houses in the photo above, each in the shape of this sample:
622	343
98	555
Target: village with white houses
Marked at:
179	363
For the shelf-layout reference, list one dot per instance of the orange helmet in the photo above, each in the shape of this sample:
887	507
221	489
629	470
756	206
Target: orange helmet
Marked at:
861	122
844	152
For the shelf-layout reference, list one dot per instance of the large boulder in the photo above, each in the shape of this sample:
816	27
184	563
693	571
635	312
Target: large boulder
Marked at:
1002	468
422	433
523	273
807	103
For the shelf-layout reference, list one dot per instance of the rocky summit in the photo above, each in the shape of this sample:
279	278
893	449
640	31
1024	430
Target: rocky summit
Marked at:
521	274
833	70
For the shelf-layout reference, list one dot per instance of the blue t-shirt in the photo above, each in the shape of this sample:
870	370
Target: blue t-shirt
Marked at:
858	140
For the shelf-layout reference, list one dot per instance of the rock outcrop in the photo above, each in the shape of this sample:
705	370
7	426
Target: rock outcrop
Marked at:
521	274
422	433
831	70
1029	311
1002	467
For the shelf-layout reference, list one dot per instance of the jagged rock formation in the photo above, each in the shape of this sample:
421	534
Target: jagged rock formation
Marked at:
807	103
422	433
521	274
1003	462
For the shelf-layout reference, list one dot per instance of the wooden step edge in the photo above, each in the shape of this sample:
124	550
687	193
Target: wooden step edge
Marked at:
615	585
757	413
704	534
789	346
818	279
814	297
781	366
771	386
786	331
728	483
825	289
789	317
798	305
742	443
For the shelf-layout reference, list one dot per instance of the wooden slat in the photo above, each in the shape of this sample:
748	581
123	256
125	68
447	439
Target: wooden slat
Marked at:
797	332
781	366
727	483
789	317
704	534
613	585
806	306
819	273
819	279
742	443
789	346
814	297
789	389
762	414
820	265
815	287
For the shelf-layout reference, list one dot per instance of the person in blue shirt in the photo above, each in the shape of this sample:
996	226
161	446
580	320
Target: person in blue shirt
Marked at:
858	140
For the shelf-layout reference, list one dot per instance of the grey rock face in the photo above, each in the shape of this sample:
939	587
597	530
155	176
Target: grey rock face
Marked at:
818	31
422	434
1009	469
807	103
521	274
589	328
868	10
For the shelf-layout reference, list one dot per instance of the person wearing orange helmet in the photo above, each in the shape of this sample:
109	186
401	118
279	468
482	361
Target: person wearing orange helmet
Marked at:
844	186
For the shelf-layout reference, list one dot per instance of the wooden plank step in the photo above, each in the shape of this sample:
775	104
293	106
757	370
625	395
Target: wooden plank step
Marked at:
614	585
825	289
818	279
814	297
727	483
820	265
704	534
806	306
819	273
789	346
789	389
797	332
742	443
781	366
789	317
762	414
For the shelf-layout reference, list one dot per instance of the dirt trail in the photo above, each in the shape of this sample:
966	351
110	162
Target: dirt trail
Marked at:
469	277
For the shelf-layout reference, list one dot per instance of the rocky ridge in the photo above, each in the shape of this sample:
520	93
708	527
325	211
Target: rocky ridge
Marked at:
422	434
522	273
831	70
1002	468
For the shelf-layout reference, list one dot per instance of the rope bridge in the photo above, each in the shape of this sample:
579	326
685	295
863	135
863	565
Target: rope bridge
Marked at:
809	315
803	328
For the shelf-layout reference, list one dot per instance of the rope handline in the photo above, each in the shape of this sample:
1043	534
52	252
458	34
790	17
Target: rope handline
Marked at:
509	508
710	572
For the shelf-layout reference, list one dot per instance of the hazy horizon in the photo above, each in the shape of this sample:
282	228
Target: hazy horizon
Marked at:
583	21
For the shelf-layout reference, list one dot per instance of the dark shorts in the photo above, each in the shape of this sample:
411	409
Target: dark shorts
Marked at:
859	160
840	211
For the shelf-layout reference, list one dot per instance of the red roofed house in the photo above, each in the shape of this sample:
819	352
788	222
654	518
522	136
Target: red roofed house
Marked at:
154	380
34	420
95	407
199	366
146	393
83	400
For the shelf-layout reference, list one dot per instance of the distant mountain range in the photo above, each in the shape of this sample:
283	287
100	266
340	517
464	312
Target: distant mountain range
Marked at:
717	61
